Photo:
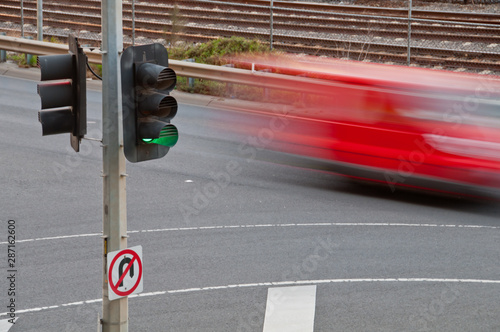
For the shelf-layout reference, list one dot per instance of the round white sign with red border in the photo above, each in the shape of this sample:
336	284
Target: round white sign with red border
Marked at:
124	272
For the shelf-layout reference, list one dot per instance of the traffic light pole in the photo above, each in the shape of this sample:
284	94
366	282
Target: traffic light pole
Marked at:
114	313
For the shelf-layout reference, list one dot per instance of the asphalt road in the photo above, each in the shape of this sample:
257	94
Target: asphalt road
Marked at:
219	228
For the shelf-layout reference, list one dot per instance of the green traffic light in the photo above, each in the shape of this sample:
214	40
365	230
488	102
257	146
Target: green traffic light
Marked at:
168	137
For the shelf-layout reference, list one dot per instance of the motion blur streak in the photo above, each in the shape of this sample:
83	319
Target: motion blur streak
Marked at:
401	126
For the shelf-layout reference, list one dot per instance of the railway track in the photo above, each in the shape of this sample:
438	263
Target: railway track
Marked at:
317	28
281	22
253	7
296	8
288	7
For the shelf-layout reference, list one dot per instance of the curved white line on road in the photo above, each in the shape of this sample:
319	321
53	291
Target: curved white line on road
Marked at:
61	237
203	228
271	284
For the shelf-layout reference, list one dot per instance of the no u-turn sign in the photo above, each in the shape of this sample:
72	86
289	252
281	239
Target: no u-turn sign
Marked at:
124	272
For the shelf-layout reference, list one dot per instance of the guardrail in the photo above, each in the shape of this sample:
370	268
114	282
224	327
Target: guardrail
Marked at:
263	79
183	68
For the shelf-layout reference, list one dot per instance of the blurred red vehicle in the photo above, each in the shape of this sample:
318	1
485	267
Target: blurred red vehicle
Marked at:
401	126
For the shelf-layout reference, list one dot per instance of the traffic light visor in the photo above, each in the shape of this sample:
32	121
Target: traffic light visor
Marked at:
160	105
168	137
153	76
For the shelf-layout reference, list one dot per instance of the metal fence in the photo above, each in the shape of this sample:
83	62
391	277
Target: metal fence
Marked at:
422	33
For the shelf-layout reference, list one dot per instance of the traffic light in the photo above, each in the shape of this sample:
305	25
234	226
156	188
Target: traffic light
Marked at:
147	105
66	98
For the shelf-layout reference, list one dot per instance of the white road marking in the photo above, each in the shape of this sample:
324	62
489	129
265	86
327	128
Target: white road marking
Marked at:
274	284
5	325
61	237
290	309
205	228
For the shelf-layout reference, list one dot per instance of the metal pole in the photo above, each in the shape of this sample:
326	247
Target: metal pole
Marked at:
114	313
409	32
133	22
271	27
3	53
22	19
39	19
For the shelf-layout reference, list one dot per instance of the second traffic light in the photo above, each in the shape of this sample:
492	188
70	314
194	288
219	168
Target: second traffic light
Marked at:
147	105
64	102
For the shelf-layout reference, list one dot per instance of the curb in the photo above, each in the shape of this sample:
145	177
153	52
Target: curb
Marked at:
11	69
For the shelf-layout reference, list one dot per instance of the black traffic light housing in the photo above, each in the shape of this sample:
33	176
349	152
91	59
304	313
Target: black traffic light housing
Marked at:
66	98
147	105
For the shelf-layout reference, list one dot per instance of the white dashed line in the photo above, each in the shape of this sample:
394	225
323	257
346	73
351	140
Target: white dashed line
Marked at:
206	228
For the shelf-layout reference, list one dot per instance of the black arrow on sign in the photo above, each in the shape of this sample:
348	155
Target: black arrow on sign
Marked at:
124	261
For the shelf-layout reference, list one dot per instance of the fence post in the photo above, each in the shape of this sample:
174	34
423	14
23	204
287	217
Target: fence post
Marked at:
22	19
39	19
190	79
133	22
28	57
271	26
409	31
303	96
229	86
3	53
266	90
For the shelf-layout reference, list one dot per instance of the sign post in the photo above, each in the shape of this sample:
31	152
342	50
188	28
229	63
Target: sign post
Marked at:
114	313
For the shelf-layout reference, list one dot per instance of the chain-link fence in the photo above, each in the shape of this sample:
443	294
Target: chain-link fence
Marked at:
460	35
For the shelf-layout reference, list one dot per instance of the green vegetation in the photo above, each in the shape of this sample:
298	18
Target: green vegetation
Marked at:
25	60
53	39
96	68
22	60
218	52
